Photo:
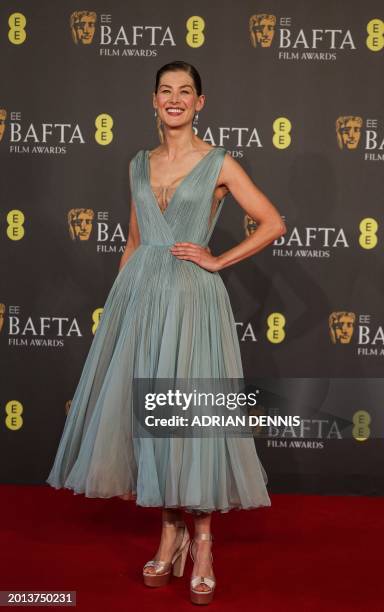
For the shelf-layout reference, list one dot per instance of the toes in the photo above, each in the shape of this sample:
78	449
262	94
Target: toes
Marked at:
202	587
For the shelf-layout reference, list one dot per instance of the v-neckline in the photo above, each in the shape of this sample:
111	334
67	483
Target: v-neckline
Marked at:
148	178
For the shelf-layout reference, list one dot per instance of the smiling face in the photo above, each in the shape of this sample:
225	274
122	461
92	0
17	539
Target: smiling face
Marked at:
176	99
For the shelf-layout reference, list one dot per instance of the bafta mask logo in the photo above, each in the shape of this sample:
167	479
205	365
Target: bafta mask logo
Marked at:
250	225
80	223
262	29
2	313
348	131
341	325
3	116
258	411
83	25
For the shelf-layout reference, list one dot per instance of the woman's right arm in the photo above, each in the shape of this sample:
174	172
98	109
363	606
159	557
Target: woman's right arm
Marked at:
133	240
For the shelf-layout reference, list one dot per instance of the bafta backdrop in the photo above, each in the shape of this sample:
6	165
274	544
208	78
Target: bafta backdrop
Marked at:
294	93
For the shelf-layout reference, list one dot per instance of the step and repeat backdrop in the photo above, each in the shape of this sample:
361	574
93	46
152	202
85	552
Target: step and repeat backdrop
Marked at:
294	92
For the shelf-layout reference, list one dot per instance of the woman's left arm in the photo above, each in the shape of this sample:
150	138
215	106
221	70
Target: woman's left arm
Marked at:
255	204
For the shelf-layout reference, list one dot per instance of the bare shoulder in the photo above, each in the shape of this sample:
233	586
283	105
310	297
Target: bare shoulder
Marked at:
231	170
230	162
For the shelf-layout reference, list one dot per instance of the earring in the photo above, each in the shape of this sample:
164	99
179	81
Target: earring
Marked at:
158	120
196	118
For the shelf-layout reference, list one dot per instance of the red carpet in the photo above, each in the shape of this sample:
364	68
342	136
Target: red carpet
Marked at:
304	553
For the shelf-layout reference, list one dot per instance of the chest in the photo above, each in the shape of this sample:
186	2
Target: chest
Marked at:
165	193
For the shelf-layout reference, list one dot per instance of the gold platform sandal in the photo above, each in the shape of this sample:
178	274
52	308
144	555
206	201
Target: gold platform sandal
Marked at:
206	596
163	569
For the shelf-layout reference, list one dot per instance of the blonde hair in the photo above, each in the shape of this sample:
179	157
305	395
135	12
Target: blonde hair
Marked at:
159	129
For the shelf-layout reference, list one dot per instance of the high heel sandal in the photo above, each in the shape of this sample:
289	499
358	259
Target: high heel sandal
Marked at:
163	569
206	596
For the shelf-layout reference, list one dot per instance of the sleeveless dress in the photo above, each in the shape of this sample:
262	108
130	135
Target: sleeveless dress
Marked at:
164	317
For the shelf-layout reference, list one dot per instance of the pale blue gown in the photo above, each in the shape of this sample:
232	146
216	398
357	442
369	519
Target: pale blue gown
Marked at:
164	317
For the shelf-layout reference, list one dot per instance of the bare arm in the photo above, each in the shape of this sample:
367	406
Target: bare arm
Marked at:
255	204
133	240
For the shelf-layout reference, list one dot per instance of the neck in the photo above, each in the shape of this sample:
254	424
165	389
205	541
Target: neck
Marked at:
178	142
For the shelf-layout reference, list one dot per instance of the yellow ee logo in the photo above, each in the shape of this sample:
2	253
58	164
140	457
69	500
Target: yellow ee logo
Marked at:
361	421
17	33
104	124
13	410
195	31
281	133
368	228
375	38
276	324
96	319
15	229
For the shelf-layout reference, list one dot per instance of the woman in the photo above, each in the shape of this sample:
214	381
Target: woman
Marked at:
168	314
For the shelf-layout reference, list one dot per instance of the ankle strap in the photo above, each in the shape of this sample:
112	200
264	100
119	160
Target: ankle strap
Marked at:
174	523
203	536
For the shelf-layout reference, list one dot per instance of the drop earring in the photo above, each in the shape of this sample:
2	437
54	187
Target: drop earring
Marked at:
158	120
195	119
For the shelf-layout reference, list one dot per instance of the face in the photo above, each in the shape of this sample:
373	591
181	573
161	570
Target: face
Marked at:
82	225
176	99
262	29
85	29
344	329
351	133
